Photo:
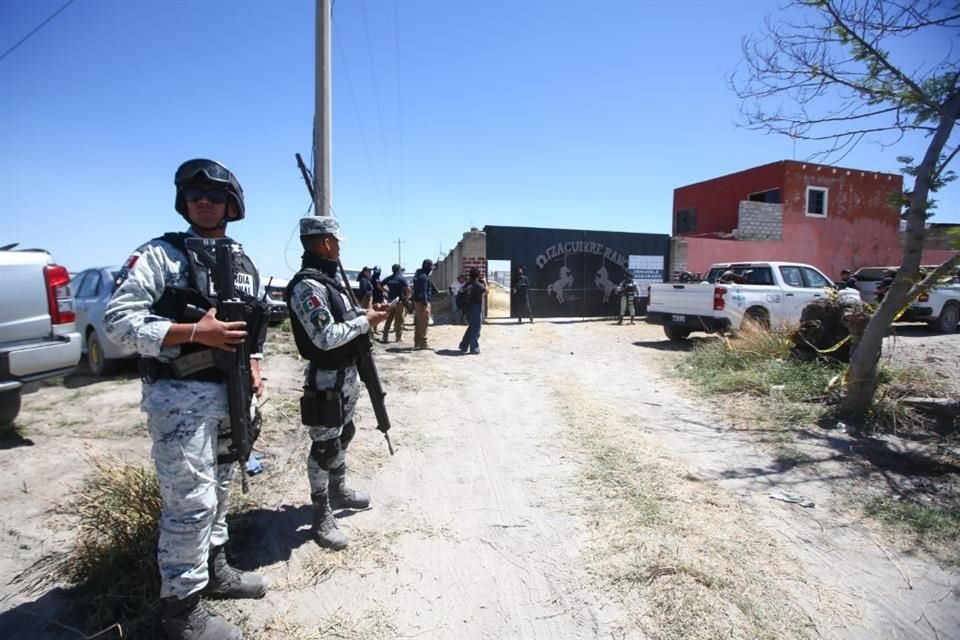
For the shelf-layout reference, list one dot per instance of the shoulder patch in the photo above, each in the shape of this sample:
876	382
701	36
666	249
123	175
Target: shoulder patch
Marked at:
311	303
125	270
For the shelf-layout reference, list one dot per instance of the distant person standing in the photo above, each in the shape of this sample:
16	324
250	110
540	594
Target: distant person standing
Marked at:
628	293
378	292
422	288
521	296
456	316
847	281
475	288
398	291
365	287
885	283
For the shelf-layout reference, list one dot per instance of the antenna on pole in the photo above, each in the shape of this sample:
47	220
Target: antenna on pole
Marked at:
399	242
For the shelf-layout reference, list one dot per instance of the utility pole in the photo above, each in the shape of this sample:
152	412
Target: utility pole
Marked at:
321	110
398	242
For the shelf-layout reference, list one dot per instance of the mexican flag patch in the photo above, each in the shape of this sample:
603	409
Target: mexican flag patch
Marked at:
311	303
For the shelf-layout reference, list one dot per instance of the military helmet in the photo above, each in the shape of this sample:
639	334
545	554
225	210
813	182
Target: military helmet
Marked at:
201	171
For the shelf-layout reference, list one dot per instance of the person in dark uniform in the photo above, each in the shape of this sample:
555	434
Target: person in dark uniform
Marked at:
365	288
847	281
422	289
378	291
187	413
329	331
398	291
885	283
521	296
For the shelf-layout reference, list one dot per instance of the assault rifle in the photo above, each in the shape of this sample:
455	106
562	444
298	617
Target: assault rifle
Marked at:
366	366
244	428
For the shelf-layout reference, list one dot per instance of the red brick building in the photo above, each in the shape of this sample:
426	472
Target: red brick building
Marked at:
830	217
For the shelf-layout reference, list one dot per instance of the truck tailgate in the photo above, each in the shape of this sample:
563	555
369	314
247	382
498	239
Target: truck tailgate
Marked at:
25	313
694	299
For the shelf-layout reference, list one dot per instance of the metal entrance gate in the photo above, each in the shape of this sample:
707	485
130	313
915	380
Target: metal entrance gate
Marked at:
574	273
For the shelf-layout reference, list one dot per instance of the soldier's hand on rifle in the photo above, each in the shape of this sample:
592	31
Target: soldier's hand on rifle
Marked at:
222	335
375	316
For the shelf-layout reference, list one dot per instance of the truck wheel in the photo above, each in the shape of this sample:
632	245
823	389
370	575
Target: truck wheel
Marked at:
96	360
949	317
675	333
9	406
756	319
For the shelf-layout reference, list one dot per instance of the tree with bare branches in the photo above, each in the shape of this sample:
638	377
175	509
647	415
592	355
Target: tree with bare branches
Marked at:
828	72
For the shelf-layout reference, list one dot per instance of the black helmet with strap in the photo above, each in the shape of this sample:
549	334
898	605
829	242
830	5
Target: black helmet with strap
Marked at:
201	171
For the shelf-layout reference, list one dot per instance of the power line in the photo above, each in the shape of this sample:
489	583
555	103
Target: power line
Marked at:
35	29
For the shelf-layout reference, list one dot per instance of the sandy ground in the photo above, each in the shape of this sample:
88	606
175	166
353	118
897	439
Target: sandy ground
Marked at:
561	485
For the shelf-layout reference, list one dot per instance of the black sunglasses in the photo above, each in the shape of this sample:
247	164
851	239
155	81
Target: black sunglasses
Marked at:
216	196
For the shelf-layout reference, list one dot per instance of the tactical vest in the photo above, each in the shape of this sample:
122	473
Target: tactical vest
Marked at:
189	304
340	357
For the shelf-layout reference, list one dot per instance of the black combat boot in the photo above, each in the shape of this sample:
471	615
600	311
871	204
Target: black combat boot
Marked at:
342	497
226	582
189	619
325	530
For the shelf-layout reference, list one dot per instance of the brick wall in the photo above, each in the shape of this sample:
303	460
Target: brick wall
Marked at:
471	251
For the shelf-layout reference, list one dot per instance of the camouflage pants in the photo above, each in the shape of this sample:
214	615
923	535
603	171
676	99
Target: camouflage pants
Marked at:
329	448
186	420
626	306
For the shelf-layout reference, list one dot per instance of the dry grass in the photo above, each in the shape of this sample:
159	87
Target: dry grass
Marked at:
112	569
683	557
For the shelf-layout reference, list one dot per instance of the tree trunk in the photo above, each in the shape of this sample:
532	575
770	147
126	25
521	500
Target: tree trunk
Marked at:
862	373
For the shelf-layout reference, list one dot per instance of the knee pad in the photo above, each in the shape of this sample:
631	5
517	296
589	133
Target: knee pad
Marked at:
346	435
325	452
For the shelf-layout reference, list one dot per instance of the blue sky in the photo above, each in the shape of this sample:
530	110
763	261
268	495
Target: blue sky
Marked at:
446	115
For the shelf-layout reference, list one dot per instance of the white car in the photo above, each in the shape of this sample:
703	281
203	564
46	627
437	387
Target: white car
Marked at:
92	290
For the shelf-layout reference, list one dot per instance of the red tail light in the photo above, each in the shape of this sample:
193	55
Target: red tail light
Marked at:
59	298
718	302
923	297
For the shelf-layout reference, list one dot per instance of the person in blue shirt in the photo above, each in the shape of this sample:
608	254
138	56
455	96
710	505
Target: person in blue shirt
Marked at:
398	292
422	287
365	287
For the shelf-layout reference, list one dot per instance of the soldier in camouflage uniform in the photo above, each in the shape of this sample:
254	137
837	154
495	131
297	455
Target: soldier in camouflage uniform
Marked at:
187	416
628	293
329	330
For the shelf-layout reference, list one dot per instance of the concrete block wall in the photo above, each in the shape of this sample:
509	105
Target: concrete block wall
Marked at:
678	257
760	221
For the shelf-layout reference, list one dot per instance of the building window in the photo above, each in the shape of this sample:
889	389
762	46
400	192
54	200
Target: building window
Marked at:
817	202
770	196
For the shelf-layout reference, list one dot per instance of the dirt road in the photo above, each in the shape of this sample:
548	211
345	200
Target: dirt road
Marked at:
561	485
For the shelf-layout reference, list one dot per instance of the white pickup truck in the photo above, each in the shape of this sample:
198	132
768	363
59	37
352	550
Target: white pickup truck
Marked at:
38	338
765	293
939	307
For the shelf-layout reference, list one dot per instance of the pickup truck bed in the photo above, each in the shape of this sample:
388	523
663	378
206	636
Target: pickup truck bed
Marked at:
38	338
